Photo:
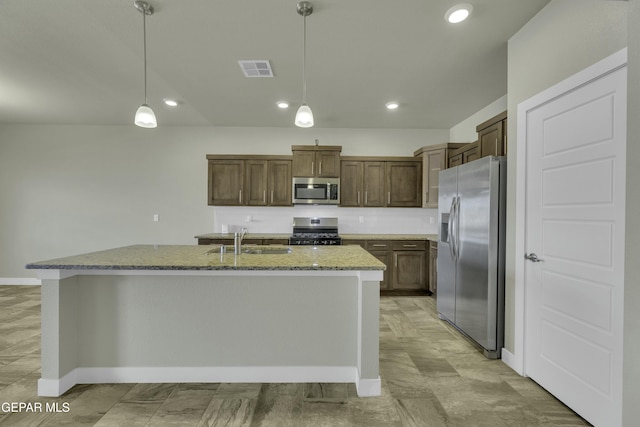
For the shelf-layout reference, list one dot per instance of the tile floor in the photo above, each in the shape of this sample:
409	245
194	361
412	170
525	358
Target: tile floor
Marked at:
431	376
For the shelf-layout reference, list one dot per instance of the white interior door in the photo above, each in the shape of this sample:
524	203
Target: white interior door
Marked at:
575	190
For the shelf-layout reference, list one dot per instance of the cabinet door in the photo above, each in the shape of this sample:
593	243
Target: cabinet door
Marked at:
433	267
328	164
351	183
455	160
304	163
404	182
386	258
256	182
279	188
435	162
491	141
409	270
226	182
470	154
373	184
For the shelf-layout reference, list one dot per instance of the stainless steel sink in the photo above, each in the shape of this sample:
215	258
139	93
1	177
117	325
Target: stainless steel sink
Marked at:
266	250
251	250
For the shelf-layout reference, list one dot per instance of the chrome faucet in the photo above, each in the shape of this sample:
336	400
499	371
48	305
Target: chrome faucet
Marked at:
237	240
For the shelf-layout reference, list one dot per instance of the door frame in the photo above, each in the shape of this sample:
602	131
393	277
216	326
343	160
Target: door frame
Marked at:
611	63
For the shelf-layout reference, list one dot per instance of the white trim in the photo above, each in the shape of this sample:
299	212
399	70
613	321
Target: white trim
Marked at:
509	359
595	71
369	387
59	274
20	281
212	374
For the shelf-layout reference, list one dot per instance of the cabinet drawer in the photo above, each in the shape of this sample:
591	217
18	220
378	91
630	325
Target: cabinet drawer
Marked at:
379	245
409	245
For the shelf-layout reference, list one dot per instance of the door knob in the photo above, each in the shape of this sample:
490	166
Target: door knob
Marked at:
533	257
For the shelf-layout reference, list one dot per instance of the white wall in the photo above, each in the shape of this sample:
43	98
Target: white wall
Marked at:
465	131
72	189
562	39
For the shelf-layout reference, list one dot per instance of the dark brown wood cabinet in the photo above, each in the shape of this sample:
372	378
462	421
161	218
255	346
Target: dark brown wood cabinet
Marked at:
409	265
249	181
380	182
226	182
465	154
403	184
434	159
316	161
382	250
433	267
492	136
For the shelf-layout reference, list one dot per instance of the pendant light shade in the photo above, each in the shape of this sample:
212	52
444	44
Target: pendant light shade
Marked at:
304	116
145	116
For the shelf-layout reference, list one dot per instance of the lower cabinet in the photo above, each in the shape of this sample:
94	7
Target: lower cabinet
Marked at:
433	267
406	265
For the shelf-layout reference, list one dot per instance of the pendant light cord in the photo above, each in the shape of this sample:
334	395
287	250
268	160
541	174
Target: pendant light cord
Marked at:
144	44
304	59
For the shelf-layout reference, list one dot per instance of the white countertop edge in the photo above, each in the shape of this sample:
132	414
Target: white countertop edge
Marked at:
59	274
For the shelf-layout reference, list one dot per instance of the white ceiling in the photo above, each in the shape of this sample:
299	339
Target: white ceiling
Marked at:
80	61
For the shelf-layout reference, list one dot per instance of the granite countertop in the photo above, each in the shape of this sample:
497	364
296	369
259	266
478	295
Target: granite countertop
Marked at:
192	257
349	236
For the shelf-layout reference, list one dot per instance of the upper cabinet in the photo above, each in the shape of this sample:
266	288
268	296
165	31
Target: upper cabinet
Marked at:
434	159
249	180
380	182
316	161
465	154
492	136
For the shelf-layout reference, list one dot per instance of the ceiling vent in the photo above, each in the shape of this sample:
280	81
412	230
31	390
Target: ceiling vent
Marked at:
256	68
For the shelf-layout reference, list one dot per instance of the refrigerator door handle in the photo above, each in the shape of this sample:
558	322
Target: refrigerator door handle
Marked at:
450	229
456	227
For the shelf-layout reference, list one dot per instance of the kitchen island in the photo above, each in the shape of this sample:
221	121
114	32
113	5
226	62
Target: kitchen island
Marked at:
148	313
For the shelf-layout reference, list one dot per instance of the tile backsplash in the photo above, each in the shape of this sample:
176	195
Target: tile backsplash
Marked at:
350	220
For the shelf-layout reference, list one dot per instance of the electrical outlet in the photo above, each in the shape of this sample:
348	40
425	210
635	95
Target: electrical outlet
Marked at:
156	217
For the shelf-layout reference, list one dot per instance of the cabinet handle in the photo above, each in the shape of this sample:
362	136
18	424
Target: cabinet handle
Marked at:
388	197
366	198
271	196
358	198
320	168
312	164
379	246
240	196
395	260
264	196
409	246
496	146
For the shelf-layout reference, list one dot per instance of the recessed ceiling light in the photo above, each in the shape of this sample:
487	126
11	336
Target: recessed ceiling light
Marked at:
458	13
170	102
282	104
391	105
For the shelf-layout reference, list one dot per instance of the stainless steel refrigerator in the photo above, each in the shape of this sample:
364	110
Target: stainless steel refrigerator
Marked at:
471	211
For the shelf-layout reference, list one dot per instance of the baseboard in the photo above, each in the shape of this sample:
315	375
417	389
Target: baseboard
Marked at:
20	281
512	361
233	374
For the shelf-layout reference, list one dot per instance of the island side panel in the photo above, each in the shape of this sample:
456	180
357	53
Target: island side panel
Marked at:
59	300
217	321
369	383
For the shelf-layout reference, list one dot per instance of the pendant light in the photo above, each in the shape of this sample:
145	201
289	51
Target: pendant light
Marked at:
144	116
304	116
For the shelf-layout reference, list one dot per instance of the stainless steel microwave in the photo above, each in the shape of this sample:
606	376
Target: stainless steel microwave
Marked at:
316	191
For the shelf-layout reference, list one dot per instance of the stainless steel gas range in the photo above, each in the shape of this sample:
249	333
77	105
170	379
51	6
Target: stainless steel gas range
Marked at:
315	231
